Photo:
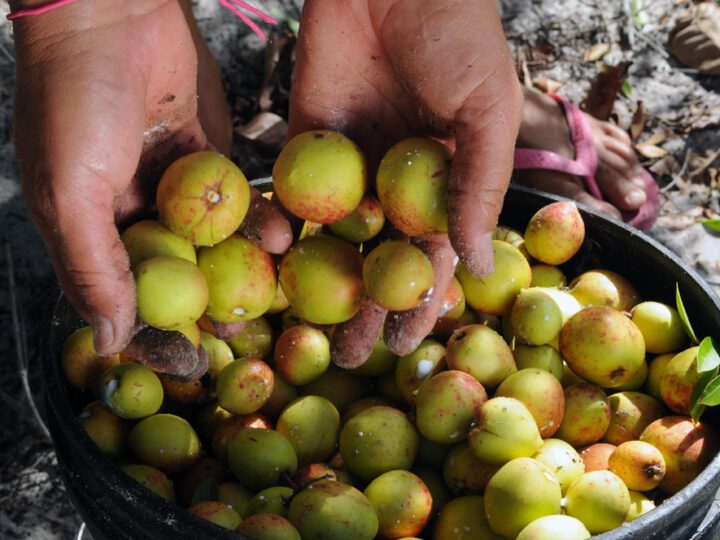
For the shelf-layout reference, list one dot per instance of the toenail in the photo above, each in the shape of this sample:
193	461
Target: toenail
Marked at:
635	197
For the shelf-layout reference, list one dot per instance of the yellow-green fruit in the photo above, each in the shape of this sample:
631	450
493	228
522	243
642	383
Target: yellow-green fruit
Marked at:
171	292
230	427
678	380
245	385
541	357
130	390
569	377
280	303
302	354
203	197
412	185
268	527
555	233
412	370
272	500
636	382
192	332
462	517
197	391
149	238
439	492
381	360
522	491
599	499
639	505
512	237
322	279
333	510
562	459
234	495
282	394
660	325
397	275
538	313
216	512
447	405
259	458
320	176
365	222
464	474
81	364
554	528
655	373
604	288
218	351
480	351
602	346
546	275
254	341
108	431
339	386
165	441
639	465
587	415
312	473
241	279
505	430
631	413
402	503
153	479
364	404
495	294
378	440
311	424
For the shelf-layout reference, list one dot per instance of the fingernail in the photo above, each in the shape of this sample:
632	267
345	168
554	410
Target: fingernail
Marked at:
104	333
636	197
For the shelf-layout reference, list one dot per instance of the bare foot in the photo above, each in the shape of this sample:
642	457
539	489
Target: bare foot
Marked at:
618	171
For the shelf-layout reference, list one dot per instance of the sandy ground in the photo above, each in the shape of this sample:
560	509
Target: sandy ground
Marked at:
551	37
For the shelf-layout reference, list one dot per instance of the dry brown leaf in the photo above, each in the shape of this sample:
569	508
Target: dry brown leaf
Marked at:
650	150
666	166
638	122
266	128
604	90
547	85
596	52
658	137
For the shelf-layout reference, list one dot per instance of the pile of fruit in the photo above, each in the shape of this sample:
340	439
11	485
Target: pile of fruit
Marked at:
539	408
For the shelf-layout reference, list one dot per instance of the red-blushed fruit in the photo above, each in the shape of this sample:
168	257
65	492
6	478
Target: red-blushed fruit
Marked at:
402	503
639	465
231	426
587	415
412	370
204	470
596	456
686	447
216	512
203	197
255	340
365	222
314	472
320	176
108	431
599	499
245	385
153	479
604	288
678	380
555	233
631	413
301	354
460	516
562	459
81	364
270	526
464	474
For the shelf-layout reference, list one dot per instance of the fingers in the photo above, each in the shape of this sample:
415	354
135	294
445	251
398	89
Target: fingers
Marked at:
404	330
265	225
353	341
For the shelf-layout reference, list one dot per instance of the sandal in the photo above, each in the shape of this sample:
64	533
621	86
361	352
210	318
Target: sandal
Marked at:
585	164
695	40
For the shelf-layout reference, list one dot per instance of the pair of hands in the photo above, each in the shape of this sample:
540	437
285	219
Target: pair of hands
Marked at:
106	98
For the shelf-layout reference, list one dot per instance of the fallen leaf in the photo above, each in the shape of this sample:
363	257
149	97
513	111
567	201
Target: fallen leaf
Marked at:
650	151
547	85
638	122
666	166
603	91
596	52
658	137
266	128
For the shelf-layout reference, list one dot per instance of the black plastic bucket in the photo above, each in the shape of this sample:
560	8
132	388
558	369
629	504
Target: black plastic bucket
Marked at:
114	506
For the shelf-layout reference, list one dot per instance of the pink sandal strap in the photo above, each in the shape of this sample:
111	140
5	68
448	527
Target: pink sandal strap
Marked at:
236	5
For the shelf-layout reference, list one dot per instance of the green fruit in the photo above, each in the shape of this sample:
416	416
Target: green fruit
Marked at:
153	479
254	341
412	370
464	516
230	427
402	503
311	424
330	510
638	464
108	431
272	500
602	346
538	314
604	288
631	413
280	303
412	185
398	275
363	224
554	528
171	292
639	505
480	351
235	496
599	499
562	459
464	474
245	385
364	404
268	527
505	430
322	279
679	379
446	406
522	491
381	360
431	454
655	373
555	233
130	390
203	197
241	279
546	275
320	176
302	354
378	440
587	415
340	387
259	458
81	364
495	294
217	513
541	357
219	353
147	239
660	326
165	441
282	394
388	388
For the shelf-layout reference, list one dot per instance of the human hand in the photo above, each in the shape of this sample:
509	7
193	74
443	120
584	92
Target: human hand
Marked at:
383	71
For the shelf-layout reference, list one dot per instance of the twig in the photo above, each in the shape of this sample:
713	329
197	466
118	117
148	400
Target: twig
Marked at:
706	163
21	345
653	44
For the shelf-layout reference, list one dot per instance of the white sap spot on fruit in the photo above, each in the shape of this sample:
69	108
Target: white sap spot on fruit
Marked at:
162	450
551	424
546	318
512	280
109	390
261	498
550	477
239	311
454	434
424	367
361	434
411	284
84	415
213	196
467	529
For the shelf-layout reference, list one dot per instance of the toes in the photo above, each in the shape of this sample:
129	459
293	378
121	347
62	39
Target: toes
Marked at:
615	186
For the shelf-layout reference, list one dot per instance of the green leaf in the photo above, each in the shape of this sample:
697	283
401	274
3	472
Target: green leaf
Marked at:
293	24
626	89
697	408
711	394
707	357
713	224
206	491
683	315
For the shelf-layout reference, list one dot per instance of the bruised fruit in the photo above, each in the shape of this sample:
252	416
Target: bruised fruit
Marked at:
231	426
522	491
363	224
495	294
255	340
412	370
639	505
462	517
322	279
587	415
562	459
216	512
130	390
447	404
245	385
108	431
171	292
631	413
259	458
311	424
398	275
153	479
203	197
596	456
412	185
378	440
402	503
604	288
543	357
272	500
464	474
241	279
660	325
482	352
165	441
301	354
602	346
330	509
268	527
599	499
555	232
678	380
320	176
554	528
539	312
639	465
149	238
81	363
